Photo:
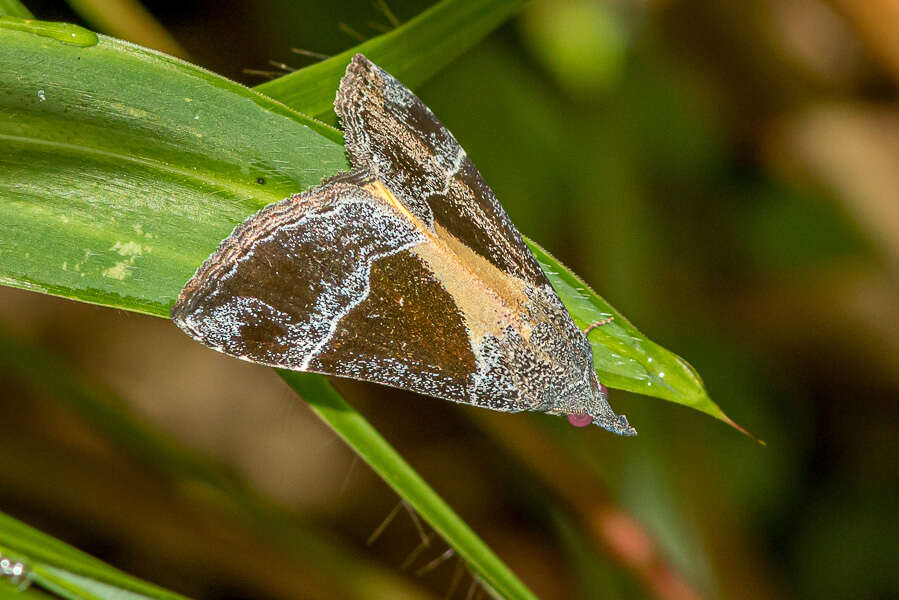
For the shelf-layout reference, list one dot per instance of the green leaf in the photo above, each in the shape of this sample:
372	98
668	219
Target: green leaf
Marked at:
121	168
623	357
70	573
412	53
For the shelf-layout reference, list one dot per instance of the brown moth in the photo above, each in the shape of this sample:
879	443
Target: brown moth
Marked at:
405	271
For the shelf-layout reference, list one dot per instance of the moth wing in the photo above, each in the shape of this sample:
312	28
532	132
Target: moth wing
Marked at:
324	282
392	134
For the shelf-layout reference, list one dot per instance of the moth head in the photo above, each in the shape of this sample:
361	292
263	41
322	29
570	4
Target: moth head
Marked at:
598	412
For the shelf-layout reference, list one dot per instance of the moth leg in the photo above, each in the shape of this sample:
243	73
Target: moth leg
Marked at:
599	323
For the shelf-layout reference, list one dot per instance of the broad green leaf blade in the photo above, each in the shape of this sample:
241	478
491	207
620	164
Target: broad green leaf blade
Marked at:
70	573
412	53
374	449
121	168
623	357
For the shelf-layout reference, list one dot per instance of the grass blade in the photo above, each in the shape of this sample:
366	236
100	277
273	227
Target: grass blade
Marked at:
412	53
380	455
56	566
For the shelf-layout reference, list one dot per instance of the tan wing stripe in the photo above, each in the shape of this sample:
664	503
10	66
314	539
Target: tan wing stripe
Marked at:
487	297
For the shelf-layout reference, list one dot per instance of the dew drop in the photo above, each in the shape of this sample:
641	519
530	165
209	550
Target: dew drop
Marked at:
14	572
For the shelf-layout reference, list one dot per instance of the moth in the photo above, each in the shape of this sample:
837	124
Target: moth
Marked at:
404	271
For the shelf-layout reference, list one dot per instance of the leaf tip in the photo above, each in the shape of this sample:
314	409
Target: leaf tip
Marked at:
742	430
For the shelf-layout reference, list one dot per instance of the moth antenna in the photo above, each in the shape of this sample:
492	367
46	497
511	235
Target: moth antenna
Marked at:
381	5
422	546
599	323
282	66
387	521
310	53
448	554
351	32
458	571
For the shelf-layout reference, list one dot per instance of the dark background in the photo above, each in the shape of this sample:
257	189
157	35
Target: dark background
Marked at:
725	173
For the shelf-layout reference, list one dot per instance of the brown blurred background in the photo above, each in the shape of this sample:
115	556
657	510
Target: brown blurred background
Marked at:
725	173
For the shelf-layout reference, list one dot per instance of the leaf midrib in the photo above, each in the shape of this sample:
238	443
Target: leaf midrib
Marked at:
202	177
